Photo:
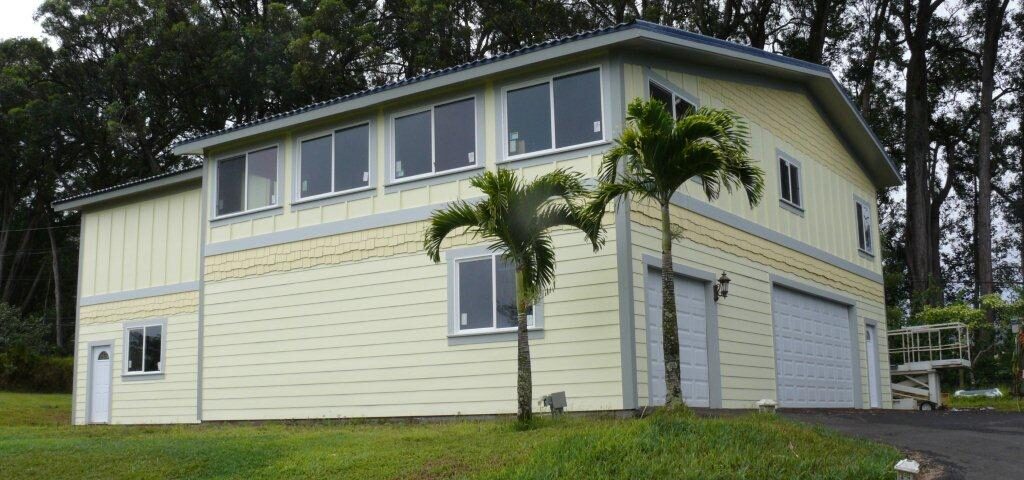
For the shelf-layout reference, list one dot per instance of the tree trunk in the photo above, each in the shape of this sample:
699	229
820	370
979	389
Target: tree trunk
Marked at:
918	233
669	322
19	255
32	289
818	31
55	264
524	387
994	13
878	22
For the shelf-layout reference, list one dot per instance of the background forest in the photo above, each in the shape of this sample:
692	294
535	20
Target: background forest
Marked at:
116	82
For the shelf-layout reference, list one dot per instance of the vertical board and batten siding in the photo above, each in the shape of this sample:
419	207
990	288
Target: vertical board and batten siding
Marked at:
785	118
779	119
356	325
146	243
168	398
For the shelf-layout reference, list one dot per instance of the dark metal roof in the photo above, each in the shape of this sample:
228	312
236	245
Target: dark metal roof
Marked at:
640	24
126	185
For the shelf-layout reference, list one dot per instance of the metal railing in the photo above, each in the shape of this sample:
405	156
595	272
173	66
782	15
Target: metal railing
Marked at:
944	344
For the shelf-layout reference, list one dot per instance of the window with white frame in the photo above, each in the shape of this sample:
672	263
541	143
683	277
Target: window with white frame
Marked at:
247	182
675	105
561	112
144	348
439	139
334	162
485	300
863	212
791	190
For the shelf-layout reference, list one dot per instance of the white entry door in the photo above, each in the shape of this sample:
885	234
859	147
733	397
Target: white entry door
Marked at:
813	351
99	384
873	380
691	311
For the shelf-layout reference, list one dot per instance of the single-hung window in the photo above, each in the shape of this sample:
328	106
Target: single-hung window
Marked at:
789	178
863	212
675	105
335	162
439	139
486	289
144	349
561	112
247	182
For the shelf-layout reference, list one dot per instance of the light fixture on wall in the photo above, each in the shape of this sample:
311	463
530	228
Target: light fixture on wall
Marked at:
722	287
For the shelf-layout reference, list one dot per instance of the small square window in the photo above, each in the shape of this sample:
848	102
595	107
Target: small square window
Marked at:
864	238
144	345
560	112
486	289
335	162
789	182
439	139
247	182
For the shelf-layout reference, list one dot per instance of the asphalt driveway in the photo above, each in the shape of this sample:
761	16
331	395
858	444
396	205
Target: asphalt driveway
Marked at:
968	444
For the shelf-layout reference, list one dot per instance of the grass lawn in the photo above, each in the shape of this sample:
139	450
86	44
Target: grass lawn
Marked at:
35	442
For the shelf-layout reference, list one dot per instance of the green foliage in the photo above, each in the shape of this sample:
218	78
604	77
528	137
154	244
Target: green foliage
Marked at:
661	446
23	332
24	371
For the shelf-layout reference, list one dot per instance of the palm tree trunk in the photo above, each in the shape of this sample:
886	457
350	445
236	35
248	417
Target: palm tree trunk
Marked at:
524	388
669	322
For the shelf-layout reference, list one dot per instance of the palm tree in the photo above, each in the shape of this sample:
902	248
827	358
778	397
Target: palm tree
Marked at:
659	155
517	217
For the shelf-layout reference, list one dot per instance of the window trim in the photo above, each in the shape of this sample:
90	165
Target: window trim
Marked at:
297	197
550	80
793	163
431	106
454	258
857	200
136	324
215	176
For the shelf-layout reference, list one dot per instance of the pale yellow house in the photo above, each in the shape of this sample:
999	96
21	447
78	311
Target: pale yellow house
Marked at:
285	278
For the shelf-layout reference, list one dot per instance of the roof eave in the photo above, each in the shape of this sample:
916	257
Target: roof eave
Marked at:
82	202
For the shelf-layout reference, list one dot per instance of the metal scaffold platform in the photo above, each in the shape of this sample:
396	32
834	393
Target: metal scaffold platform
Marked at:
917	354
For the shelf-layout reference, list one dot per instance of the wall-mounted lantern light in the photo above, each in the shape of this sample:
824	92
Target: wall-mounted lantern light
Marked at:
722	287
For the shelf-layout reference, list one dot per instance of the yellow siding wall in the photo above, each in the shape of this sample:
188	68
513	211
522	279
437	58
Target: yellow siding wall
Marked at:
142	244
170	398
367	336
786	120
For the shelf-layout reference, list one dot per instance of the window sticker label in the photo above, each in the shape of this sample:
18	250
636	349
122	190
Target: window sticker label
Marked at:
465	319
472	157
366	176
597	127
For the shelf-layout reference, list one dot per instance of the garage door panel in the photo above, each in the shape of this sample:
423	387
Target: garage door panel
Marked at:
814	365
691	313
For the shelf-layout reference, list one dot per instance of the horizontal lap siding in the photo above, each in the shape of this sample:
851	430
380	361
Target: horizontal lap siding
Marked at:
369	338
744	318
170	398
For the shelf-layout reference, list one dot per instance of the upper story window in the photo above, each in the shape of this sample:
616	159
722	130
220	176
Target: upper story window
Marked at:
144	348
335	162
864	240
677	106
560	112
485	300
247	182
438	139
791	190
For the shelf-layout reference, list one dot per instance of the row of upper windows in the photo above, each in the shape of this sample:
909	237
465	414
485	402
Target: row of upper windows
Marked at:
543	116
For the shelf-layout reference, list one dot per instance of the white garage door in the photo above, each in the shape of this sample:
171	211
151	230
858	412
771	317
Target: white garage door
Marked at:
693	340
813	359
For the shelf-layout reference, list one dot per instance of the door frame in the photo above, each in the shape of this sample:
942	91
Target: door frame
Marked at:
89	372
708	279
874	397
778	281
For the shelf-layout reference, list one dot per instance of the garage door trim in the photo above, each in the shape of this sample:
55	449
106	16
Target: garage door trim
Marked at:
851	304
651	262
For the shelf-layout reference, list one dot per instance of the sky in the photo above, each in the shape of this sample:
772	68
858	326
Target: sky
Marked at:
16	19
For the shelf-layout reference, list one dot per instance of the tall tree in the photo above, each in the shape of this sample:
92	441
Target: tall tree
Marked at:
517	217
651	160
916	17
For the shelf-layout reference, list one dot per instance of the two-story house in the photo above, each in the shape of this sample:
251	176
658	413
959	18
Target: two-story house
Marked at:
285	278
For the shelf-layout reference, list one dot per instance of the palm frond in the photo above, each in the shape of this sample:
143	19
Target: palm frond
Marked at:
443	222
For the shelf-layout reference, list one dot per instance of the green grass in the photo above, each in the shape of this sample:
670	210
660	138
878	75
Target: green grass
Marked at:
35	443
1005	403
